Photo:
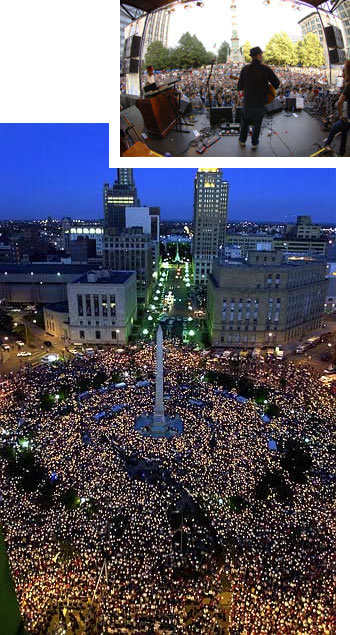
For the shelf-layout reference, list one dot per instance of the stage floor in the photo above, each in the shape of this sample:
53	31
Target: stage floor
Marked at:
298	136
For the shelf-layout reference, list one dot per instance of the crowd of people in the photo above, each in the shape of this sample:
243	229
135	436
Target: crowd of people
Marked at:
309	83
110	564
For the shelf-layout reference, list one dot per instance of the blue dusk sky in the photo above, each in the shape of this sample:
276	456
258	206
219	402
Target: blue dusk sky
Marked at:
60	169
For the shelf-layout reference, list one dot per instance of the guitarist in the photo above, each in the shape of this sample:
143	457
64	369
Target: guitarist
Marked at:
255	80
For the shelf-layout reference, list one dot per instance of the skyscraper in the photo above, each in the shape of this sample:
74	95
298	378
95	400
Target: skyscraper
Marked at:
122	194
210	218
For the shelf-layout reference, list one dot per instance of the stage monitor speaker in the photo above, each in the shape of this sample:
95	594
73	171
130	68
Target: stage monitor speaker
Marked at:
220	114
337	56
132	46
334	37
185	105
130	66
291	104
275	106
135	118
238	114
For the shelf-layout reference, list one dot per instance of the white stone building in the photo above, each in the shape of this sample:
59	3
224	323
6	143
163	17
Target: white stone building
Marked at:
102	307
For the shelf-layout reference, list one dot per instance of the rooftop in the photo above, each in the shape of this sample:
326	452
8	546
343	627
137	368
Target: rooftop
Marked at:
104	277
59	307
47	268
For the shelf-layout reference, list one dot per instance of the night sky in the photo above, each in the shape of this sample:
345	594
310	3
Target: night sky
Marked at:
60	169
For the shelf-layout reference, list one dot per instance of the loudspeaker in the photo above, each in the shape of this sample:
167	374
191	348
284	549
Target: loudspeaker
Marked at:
135	117
218	114
334	37
132	46
130	66
238	114
291	104
337	56
275	106
185	105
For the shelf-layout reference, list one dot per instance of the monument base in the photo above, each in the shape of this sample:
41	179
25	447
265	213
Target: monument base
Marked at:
151	426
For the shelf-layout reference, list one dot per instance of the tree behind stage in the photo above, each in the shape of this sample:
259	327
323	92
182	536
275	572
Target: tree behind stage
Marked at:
190	53
246	48
280	50
310	51
223	53
157	56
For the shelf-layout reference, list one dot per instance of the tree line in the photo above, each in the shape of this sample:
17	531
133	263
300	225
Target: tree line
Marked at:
191	53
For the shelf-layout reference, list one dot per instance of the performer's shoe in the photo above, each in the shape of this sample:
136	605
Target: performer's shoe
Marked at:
242	143
254	147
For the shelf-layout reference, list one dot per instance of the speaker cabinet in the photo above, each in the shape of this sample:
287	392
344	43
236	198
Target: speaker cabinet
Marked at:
132	46
185	106
130	66
337	56
275	106
334	37
218	115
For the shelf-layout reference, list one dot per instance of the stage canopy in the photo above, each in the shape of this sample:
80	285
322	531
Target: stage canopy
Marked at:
147	6
326	5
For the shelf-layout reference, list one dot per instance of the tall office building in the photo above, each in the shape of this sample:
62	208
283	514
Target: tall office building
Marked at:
210	219
131	250
157	29
116	198
312	23
344	13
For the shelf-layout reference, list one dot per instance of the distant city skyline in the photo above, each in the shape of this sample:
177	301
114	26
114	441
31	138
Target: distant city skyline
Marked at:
60	169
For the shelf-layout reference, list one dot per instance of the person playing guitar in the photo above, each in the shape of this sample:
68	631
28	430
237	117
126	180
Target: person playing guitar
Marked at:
259	83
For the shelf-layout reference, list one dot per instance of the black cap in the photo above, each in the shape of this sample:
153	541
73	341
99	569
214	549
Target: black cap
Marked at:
255	51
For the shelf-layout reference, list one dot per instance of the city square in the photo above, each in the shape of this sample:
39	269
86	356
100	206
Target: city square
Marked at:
229	526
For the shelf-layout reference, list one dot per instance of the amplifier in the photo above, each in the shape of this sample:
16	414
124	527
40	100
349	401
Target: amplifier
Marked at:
218	115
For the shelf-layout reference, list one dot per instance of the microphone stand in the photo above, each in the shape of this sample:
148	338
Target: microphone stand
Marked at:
210	74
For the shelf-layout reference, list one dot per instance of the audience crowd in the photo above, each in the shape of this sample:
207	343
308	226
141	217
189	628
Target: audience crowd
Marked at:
112	563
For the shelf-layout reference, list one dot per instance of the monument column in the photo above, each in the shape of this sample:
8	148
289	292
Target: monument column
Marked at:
235	55
159	402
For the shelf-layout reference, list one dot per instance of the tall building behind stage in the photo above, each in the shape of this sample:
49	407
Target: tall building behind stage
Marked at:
265	299
210	219
156	29
311	23
344	13
127	15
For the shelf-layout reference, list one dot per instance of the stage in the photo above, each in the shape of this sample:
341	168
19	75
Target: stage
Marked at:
281	136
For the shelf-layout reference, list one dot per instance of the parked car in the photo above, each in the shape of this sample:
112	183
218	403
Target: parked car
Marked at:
6	347
20	343
23	354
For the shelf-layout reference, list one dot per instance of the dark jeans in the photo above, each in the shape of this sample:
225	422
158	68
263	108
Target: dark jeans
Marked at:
254	117
343	127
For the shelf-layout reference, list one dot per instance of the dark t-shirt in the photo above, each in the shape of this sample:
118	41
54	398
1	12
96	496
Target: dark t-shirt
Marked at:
254	80
346	92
